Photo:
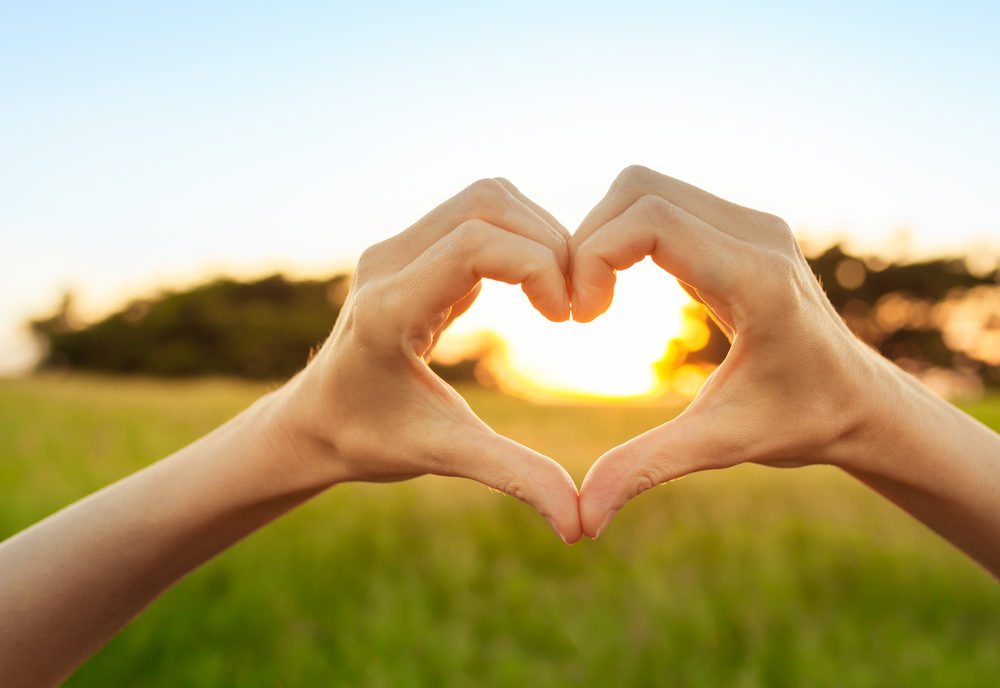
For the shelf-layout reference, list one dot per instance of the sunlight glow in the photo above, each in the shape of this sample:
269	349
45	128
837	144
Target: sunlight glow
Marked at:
610	357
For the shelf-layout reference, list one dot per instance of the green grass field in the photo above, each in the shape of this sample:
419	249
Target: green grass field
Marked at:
749	577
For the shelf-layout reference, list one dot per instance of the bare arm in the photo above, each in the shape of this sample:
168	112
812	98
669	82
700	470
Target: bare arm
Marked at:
366	408
72	581
796	388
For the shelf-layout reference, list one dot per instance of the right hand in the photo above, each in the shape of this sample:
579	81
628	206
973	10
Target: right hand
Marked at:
796	388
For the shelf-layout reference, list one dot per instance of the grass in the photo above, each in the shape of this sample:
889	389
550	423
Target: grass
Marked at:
747	577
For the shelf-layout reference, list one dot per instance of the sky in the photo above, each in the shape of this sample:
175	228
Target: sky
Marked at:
145	145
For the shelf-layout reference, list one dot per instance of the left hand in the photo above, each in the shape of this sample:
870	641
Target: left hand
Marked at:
368	404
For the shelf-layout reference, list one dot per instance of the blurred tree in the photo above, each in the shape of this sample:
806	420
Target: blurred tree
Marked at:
929	315
261	330
933	315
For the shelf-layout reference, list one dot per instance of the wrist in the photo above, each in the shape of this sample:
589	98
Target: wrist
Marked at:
887	407
868	392
297	435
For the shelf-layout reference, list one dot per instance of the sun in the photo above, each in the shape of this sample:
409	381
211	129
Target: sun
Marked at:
611	357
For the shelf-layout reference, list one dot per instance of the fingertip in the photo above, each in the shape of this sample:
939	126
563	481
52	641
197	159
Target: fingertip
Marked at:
563	311
552	313
593	288
566	509
565	523
595	515
551	301
566	309
530	477
555	528
605	490
583	309
569	542
605	523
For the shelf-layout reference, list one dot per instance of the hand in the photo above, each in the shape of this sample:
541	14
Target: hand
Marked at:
796	387
374	410
367	407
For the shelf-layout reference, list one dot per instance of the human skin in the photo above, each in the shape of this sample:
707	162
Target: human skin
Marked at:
367	407
796	388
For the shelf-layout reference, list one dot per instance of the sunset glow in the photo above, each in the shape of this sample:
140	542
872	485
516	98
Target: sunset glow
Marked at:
610	357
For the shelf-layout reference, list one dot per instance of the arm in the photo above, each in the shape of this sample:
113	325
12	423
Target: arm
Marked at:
797	387
367	407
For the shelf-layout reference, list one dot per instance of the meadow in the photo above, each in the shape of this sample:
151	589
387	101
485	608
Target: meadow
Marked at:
748	577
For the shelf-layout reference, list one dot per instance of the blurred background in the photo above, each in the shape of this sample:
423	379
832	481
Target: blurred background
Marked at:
184	189
150	148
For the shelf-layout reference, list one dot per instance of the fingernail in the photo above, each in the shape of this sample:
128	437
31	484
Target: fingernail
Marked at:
607	520
556	529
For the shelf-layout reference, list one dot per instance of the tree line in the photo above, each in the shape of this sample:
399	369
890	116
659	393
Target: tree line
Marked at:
933	314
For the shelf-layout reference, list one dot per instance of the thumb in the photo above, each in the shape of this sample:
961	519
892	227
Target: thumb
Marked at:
685	445
511	468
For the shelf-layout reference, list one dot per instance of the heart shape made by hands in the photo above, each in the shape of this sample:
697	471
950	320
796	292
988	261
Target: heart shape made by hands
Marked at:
744	266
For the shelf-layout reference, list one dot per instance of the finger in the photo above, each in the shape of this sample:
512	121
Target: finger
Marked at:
452	267
487	200
673	450
691	250
511	468
691	291
637	181
537	209
463	305
717	317
459	309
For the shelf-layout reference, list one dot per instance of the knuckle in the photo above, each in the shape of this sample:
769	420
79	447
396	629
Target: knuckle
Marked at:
776	229
782	278
468	237
647	478
640	471
485	194
644	482
773	265
513	487
657	211
369	314
774	223
370	260
635	177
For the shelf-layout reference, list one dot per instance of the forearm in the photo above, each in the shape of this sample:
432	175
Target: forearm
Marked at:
72	581
931	459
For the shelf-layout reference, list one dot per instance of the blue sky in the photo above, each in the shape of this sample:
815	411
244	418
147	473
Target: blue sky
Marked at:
144	144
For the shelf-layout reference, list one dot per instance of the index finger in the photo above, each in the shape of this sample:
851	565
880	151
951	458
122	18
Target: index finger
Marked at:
537	209
425	291
694	252
637	181
488	200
